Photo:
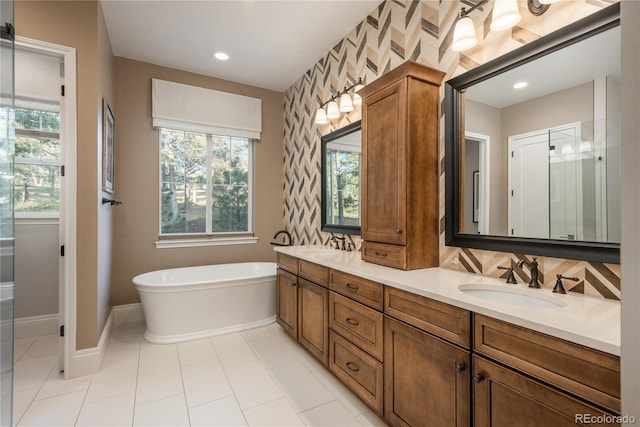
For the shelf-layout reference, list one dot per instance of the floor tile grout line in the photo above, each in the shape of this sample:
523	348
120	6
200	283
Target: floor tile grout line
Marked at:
33	399
226	375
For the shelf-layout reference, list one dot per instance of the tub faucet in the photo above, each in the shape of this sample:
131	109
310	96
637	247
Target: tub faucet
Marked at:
286	240
533	266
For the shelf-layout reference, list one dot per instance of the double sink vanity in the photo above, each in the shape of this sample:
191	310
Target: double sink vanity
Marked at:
441	347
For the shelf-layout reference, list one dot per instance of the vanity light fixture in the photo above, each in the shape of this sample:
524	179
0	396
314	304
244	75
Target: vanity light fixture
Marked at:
341	102
505	15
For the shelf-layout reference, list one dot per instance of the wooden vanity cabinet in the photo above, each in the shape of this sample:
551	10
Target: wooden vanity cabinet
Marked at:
400	124
427	361
505	398
302	306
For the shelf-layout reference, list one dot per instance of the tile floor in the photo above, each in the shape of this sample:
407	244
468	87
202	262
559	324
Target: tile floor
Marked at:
257	378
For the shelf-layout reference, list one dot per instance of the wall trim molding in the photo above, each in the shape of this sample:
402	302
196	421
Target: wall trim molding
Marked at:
88	361
34	326
128	313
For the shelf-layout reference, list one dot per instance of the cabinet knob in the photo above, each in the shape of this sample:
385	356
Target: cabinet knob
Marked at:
352	367
398	230
352	322
478	378
352	288
294	284
460	367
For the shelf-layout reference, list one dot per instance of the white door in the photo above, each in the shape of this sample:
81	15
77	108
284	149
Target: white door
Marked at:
529	185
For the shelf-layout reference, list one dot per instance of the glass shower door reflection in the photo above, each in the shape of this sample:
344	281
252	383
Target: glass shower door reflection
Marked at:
6	211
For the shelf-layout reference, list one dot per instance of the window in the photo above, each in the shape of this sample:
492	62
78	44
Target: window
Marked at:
37	162
206	183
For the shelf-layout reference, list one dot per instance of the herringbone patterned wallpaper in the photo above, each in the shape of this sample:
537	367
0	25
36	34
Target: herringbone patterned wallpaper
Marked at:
397	31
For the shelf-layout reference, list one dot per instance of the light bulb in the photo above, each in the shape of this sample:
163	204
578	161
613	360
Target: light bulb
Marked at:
357	100
321	116
332	110
464	35
505	15
346	105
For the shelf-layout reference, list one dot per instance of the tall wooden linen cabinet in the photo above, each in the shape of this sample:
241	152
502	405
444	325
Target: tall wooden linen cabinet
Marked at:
400	194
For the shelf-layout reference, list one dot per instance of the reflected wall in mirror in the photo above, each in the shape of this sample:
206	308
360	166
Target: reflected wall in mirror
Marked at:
541	127
341	155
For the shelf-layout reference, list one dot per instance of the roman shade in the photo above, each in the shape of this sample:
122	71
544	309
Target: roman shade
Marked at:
190	108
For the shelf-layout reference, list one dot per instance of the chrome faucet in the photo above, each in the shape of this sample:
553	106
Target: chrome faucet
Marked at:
533	266
286	240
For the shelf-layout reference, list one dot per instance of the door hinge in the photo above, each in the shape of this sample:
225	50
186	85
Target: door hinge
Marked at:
512	154
62	90
512	231
62	170
8	32
61	330
62	250
511	193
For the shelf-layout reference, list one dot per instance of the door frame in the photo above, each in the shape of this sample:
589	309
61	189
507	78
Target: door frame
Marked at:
68	191
484	187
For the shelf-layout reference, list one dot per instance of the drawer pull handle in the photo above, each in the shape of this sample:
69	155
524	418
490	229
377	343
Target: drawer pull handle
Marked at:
460	367
478	378
352	367
381	254
352	322
352	288
398	230
294	284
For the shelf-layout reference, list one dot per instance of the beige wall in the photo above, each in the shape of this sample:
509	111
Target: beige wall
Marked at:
75	24
136	221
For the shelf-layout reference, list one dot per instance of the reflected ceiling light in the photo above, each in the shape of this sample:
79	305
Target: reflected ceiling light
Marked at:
221	56
339	103
505	15
585	146
520	85
566	149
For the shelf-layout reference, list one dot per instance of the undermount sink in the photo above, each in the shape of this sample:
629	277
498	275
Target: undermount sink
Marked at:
322	251
519	297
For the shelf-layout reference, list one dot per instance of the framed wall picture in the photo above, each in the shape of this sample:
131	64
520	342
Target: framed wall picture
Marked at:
108	148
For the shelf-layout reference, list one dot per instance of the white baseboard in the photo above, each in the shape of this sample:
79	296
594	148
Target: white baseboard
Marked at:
89	360
27	327
128	313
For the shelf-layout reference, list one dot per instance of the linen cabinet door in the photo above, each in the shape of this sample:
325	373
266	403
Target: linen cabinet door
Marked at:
426	380
504	398
313	319
287	302
384	165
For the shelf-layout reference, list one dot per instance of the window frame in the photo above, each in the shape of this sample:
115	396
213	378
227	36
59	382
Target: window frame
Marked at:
208	238
39	162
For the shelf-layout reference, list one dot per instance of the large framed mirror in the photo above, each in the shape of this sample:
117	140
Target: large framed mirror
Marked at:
341	155
532	146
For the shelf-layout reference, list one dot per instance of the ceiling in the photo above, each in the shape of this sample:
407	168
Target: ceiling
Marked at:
271	44
565	68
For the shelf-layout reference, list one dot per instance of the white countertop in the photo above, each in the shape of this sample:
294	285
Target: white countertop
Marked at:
585	320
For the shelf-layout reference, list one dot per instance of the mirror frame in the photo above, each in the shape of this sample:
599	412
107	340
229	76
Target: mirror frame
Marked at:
339	133
589	251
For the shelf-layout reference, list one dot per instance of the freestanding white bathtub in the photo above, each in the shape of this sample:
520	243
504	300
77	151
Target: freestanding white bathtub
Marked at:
182	304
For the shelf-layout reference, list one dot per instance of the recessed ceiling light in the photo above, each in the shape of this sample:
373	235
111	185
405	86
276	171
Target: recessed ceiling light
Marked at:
221	56
520	85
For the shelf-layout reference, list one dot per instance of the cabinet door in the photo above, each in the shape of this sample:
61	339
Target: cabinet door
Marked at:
287	302
313	319
504	398
383	178
426	380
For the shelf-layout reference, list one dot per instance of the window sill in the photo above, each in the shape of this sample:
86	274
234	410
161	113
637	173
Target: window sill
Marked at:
195	242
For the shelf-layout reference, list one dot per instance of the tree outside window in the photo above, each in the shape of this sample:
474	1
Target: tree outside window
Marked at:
205	184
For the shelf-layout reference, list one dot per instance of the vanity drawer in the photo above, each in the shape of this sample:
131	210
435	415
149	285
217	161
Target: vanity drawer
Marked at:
314	272
358	370
389	255
359	324
362	290
444	320
288	263
585	372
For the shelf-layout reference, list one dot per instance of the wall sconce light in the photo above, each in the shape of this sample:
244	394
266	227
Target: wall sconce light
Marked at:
339	103
504	16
